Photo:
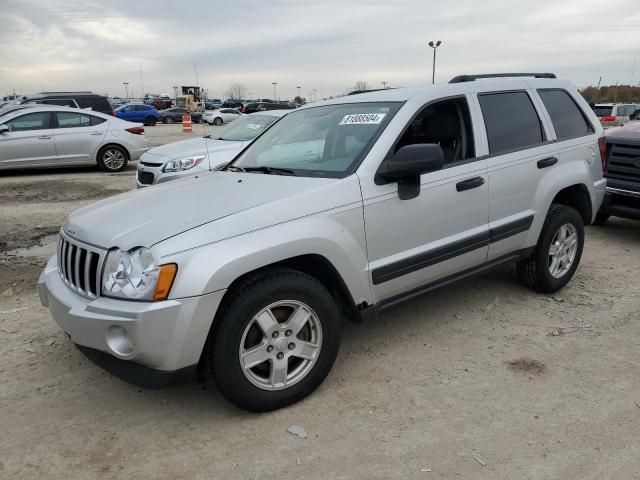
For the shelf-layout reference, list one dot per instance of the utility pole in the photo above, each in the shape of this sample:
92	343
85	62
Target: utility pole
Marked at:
299	87
314	94
141	80
435	46
175	94
384	85
274	90
126	89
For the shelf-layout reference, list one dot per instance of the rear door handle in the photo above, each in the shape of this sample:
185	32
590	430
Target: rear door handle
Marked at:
547	162
96	133
44	137
470	183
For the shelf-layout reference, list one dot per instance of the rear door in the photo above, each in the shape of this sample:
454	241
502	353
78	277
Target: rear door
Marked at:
519	154
29	141
78	136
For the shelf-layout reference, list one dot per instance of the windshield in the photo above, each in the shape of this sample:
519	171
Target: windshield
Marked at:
245	128
322	141
603	111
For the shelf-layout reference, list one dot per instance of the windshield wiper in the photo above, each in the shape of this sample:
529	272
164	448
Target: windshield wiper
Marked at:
233	168
269	170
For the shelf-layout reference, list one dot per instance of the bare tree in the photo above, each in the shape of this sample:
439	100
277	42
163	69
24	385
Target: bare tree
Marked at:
361	85
237	91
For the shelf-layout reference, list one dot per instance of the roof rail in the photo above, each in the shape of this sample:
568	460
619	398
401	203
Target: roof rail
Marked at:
471	78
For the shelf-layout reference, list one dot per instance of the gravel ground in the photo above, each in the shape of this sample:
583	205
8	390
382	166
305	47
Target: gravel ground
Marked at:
482	380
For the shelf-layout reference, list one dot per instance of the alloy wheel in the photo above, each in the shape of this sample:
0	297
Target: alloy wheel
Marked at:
562	251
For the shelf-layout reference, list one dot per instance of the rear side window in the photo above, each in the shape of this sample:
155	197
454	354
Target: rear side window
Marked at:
99	104
511	121
567	118
96	120
72	120
603	111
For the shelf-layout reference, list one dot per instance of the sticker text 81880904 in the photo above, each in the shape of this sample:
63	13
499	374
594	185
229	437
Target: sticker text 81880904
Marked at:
362	119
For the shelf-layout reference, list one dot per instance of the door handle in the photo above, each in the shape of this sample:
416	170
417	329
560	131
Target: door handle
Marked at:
96	133
470	183
44	137
547	162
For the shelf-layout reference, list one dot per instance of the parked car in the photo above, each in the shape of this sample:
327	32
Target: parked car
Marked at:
50	136
339	210
138	112
237	104
199	155
213	104
98	103
223	115
161	103
622	198
14	108
614	114
173	115
264	106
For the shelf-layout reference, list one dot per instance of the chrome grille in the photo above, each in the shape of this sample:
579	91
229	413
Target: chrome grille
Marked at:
79	267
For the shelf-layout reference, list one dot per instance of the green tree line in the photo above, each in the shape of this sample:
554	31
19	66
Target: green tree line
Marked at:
612	94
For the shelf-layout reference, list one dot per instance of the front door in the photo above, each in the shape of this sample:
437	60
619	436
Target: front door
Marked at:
29	142
444	230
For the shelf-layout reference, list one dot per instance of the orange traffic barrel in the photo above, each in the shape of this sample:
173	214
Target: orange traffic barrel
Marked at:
186	124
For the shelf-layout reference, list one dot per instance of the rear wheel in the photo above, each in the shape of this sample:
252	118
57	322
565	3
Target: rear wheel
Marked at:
558	252
150	121
275	340
113	158
217	121
169	119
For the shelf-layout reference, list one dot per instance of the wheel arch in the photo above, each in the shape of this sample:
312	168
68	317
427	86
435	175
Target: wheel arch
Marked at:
576	196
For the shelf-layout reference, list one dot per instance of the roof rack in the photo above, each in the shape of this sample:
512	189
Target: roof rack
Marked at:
471	78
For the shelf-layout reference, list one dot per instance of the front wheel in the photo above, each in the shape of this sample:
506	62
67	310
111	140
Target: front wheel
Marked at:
217	121
275	340
169	119
150	121
558	252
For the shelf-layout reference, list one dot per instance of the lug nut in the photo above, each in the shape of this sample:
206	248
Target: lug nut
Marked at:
292	346
280	356
275	334
288	333
270	348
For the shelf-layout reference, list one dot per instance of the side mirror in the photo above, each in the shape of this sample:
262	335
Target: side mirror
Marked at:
3	129
406	166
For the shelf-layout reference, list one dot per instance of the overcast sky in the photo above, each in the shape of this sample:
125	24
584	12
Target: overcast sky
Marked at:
325	45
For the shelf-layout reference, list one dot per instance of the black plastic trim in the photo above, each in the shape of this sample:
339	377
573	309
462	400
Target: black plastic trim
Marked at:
447	252
426	259
137	374
471	272
510	229
547	162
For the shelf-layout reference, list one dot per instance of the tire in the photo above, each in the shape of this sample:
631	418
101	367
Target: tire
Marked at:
601	218
236	331
169	119
536	270
150	121
217	121
113	158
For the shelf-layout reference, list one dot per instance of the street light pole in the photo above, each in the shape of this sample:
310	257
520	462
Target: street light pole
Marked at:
384	85
435	46
299	87
126	89
274	90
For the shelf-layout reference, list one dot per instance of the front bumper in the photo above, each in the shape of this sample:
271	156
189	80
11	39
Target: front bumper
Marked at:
165	337
621	203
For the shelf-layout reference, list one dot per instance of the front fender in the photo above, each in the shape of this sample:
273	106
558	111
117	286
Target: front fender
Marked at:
338	237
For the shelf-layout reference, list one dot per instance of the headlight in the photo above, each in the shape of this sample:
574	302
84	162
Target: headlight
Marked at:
134	275
182	163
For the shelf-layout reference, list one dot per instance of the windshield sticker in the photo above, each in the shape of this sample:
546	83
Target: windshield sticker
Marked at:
254	126
362	119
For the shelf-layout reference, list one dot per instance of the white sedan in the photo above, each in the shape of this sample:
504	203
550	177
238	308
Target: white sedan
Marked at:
48	136
218	117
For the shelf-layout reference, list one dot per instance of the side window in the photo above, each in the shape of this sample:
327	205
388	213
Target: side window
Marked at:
141	108
567	118
31	121
511	121
62	102
72	120
96	120
447	123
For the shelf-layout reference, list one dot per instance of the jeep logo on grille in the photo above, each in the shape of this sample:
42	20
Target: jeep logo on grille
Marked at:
71	229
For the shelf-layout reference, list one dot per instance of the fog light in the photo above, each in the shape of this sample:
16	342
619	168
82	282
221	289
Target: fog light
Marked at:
118	341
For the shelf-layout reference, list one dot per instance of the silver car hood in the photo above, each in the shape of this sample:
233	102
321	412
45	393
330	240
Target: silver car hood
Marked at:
148	216
630	131
219	151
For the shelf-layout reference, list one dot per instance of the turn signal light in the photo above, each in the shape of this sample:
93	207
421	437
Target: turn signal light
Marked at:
165	281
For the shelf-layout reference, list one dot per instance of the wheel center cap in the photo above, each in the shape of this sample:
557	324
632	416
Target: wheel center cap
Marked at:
281	345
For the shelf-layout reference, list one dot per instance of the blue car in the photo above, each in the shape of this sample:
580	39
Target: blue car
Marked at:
138	112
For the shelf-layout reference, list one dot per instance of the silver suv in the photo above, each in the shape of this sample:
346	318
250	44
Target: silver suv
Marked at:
339	210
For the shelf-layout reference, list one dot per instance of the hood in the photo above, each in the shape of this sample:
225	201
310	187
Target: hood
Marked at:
630	131
144	217
219	151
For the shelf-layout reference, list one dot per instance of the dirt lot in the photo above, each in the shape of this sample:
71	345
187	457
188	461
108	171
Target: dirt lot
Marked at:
482	380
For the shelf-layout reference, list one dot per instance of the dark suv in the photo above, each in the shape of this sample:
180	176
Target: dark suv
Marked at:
263	106
622	198
98	103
